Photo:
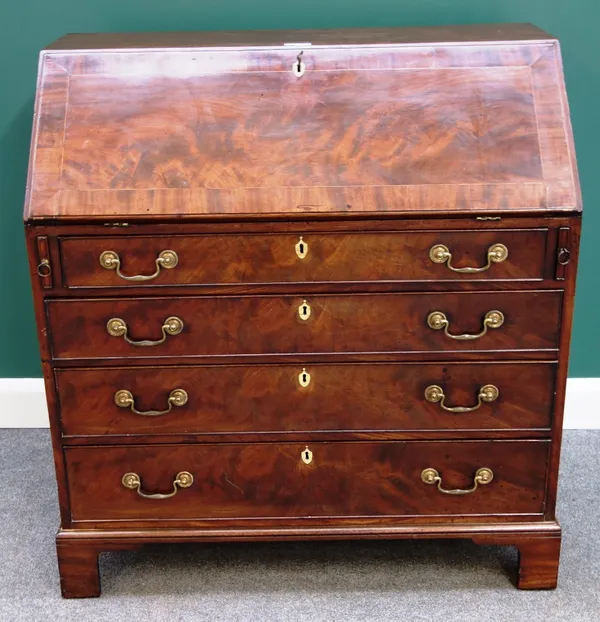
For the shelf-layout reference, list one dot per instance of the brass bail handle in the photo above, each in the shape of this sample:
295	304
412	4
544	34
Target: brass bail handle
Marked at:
116	327
166	259
482	477
124	399
438	320
132	481
487	393
497	253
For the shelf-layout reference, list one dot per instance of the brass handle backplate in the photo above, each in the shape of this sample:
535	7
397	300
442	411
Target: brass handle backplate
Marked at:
438	320
124	399
497	253
487	393
117	327
482	476
183	479
166	259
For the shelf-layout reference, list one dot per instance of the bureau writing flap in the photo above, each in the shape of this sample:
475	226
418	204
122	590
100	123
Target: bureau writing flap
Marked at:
363	128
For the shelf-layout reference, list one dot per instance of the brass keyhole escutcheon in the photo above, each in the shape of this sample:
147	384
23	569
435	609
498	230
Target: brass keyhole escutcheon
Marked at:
307	456
304	310
304	378
301	248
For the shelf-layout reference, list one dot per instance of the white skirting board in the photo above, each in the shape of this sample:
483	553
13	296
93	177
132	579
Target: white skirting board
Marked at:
23	403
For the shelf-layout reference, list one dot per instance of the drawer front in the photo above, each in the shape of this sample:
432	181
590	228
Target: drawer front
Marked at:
311	257
338	324
288	398
273	480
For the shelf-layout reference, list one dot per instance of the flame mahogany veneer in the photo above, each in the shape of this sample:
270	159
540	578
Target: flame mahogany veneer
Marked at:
300	205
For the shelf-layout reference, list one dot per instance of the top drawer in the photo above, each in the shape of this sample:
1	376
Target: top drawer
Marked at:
491	255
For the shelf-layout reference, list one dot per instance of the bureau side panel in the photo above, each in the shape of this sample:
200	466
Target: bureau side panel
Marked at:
47	371
570	241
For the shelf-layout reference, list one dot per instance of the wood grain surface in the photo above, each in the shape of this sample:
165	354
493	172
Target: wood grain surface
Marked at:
264	259
265	38
263	325
235	133
270	398
243	481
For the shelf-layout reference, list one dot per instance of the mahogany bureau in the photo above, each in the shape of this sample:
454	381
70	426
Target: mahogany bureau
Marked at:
304	285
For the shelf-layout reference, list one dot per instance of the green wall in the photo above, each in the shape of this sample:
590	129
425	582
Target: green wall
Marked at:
26	26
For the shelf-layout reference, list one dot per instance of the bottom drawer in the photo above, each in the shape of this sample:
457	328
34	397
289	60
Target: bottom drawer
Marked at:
292	480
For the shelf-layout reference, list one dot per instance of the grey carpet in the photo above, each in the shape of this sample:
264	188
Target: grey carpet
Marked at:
428	580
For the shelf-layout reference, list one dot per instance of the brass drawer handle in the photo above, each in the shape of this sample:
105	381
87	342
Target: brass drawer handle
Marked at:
124	399
117	327
483	476
111	261
183	479
487	393
438	320
497	253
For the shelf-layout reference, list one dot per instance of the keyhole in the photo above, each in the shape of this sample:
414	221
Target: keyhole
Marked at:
301	248
304	310
299	67
304	378
307	456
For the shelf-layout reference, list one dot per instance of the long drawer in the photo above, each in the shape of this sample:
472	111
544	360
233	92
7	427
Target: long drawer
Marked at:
316	480
339	324
229	399
314	257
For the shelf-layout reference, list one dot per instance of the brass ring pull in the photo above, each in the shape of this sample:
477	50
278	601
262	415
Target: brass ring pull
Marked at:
183	479
483	476
487	393
44	269
124	399
111	261
438	320
117	327
497	253
564	256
